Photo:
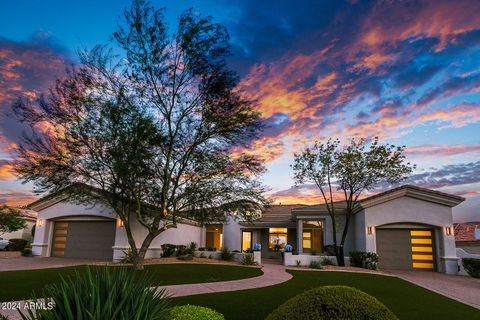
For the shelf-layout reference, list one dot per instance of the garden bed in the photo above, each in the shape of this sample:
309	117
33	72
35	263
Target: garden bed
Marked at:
9	254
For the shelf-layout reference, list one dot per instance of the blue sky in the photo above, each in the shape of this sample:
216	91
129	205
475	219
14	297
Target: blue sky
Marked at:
406	71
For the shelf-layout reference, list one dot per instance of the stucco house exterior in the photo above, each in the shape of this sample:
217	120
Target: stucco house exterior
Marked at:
409	227
30	218
467	236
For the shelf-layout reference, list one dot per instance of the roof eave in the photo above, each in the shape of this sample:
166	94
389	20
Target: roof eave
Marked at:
421	194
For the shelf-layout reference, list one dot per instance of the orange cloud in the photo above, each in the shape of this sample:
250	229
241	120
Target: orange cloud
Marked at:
442	150
441	19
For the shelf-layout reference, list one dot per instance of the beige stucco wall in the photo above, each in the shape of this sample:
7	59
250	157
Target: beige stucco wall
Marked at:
25	233
183	234
411	211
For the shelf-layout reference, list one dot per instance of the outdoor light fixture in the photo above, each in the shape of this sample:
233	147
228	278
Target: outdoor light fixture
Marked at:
40	222
120	223
369	230
448	230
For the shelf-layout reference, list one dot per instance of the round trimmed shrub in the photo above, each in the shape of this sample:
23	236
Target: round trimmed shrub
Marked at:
332	302
188	312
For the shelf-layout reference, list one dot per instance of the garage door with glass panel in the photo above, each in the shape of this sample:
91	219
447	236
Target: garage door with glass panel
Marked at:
406	249
83	239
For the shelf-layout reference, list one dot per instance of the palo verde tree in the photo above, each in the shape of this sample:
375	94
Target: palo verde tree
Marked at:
150	131
345	173
10	220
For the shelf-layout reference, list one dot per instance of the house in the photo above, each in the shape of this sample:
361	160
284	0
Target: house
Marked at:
409	227
467	236
30	218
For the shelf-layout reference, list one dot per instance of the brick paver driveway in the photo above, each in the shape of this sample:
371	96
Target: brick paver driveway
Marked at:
461	288
26	263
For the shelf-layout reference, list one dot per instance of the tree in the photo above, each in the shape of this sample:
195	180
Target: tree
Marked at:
149	132
350	171
10	220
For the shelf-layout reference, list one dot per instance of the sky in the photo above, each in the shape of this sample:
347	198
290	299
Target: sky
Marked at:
405	71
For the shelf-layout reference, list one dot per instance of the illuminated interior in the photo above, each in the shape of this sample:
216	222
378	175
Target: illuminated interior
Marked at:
214	237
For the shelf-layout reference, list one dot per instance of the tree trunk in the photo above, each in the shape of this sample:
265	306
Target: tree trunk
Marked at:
339	255
139	259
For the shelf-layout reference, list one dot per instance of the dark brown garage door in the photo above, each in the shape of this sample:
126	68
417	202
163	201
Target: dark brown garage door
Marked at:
83	239
406	249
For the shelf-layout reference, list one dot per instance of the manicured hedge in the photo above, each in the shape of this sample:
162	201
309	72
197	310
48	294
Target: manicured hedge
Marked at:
472	266
17	244
188	312
366	260
332	302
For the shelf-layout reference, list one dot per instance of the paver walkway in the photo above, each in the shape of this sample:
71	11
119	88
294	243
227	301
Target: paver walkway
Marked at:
460	288
272	274
30	263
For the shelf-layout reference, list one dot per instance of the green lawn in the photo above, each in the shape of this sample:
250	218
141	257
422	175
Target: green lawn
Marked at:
16	285
406	300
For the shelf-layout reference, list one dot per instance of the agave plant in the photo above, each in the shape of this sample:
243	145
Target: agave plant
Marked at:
103	293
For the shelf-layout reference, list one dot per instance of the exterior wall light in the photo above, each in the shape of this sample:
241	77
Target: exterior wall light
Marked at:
120	223
40	222
369	230
448	230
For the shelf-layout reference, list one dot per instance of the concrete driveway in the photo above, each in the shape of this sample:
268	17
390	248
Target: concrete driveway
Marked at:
461	288
29	263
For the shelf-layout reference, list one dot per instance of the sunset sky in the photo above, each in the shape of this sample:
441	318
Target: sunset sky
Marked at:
407	71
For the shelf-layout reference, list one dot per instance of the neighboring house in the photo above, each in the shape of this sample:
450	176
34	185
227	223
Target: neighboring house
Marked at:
30	218
409	227
467	236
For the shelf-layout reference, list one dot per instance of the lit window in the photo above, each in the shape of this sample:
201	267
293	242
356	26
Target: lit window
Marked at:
246	240
477	233
307	240
277	238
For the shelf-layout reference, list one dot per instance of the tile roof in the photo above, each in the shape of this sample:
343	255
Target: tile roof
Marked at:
466	231
279	213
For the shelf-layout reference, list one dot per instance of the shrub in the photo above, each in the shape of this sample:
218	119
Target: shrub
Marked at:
211	249
201	249
315	264
329	250
127	256
27	252
248	250
366	260
327	262
236	251
103	293
202	255
313	253
168	250
188	312
17	244
180	250
192	246
226	254
332	302
298	262
249	260
210	256
288	248
472	266
2	317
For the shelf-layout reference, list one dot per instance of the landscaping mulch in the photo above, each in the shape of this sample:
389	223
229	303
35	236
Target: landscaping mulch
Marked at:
9	254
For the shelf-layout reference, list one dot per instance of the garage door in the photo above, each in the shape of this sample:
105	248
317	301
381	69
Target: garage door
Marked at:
406	249
83	239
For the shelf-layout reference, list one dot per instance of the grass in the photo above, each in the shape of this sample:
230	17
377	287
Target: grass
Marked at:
16	285
406	300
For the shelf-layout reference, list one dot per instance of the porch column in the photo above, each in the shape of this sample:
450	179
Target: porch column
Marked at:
300	236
